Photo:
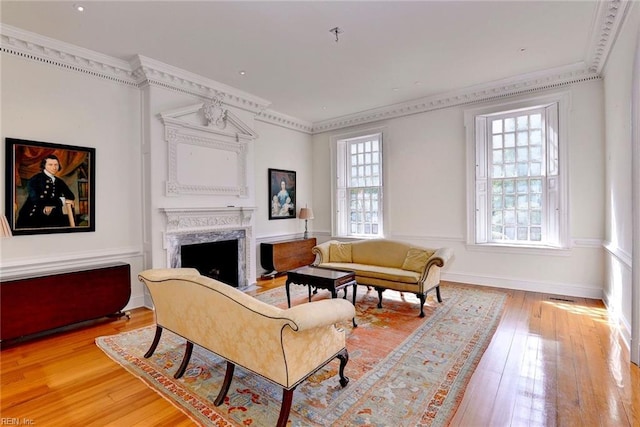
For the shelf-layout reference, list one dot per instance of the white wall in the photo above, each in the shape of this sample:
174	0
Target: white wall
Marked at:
281	148
425	197
618	77
45	103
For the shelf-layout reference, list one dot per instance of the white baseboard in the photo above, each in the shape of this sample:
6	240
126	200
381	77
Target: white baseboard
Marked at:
555	288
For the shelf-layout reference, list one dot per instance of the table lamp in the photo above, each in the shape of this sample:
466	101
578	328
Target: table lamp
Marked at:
306	214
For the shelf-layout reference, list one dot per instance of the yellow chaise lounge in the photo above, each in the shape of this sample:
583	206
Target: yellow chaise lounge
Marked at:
285	346
387	264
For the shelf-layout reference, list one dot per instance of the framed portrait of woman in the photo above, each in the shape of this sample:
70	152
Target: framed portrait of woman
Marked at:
50	188
282	194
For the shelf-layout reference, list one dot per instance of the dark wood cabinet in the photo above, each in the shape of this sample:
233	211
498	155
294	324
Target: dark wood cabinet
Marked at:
278	257
31	305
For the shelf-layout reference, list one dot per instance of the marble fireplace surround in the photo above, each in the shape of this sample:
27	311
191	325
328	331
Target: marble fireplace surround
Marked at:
205	225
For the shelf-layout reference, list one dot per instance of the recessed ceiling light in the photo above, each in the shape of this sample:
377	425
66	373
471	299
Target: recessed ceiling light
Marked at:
522	49
78	7
242	72
395	89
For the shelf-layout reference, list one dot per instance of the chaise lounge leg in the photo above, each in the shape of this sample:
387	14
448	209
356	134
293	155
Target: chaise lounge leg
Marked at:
154	344
287	398
344	358
185	361
438	293
228	376
423	298
379	296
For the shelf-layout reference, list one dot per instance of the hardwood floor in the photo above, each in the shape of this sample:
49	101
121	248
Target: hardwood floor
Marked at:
553	361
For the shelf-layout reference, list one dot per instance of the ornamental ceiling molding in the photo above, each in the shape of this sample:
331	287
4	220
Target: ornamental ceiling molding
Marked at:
609	18
157	73
142	71
285	121
34	47
533	82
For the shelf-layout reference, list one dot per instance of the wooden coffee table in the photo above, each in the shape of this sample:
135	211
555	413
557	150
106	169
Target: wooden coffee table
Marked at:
323	278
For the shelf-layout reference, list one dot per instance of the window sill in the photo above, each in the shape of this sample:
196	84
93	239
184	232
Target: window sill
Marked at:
518	249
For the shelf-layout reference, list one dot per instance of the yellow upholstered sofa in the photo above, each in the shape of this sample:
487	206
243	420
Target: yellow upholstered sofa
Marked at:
387	264
285	346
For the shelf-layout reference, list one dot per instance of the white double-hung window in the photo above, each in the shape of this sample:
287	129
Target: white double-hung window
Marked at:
358	188
518	192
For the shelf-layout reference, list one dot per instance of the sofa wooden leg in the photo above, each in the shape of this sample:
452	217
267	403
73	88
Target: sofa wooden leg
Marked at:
379	296
344	358
438	293
287	398
423	299
228	376
185	361
154	344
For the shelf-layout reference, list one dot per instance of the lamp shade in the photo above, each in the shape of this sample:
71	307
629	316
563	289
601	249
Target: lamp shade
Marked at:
5	230
306	213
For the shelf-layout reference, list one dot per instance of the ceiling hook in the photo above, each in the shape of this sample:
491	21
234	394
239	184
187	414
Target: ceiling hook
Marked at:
336	31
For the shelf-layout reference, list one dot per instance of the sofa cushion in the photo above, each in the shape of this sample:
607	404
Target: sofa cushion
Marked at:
340	252
376	272
416	260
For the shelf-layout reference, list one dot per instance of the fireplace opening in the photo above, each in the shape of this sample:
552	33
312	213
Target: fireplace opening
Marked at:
218	260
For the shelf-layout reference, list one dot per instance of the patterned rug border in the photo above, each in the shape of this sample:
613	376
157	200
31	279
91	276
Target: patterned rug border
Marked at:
438	409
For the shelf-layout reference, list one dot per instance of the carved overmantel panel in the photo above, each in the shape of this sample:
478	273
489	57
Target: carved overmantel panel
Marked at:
207	150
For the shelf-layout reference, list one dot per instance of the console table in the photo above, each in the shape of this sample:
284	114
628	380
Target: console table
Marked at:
34	304
279	257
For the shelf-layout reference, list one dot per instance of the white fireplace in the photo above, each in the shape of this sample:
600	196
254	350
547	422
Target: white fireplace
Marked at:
186	226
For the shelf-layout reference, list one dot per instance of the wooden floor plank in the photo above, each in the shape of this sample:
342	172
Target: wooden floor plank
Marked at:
550	363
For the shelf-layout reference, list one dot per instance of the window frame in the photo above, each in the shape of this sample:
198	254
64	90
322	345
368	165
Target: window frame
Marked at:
479	211
339	224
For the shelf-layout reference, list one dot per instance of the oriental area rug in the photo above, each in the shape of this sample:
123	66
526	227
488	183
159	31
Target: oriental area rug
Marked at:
404	370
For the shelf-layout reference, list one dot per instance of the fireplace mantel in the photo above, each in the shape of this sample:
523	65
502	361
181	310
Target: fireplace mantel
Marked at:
194	219
202	225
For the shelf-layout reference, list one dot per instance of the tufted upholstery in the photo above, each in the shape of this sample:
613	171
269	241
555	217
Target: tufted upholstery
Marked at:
387	264
284	346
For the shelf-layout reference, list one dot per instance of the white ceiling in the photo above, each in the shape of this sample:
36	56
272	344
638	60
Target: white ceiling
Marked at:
389	52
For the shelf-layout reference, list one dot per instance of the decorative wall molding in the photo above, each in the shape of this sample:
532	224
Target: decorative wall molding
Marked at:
71	261
142	71
223	134
620	254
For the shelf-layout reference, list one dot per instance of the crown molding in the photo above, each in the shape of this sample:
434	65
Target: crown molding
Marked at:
605	28
35	47
526	83
141	71
289	122
158	73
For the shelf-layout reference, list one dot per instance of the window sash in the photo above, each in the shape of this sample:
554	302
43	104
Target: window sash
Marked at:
359	208
492	152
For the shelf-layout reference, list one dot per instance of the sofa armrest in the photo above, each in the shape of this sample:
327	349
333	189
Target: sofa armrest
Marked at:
439	258
321	252
320	313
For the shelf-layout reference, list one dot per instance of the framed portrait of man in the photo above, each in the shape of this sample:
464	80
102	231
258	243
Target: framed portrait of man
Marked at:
282	194
50	188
